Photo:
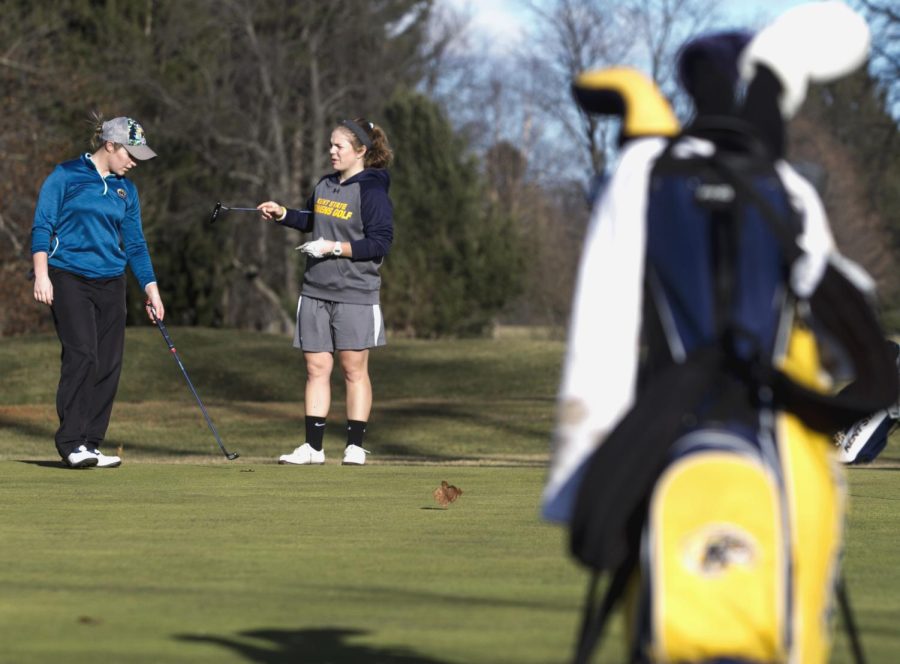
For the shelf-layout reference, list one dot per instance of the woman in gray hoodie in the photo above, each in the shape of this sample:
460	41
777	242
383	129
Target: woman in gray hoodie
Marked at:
351	217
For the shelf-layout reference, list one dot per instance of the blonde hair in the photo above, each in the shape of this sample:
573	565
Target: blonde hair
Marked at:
380	155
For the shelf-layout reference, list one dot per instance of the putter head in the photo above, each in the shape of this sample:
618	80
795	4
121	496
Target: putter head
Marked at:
215	213
232	456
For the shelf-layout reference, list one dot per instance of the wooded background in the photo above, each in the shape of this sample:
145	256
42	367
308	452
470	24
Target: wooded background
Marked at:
494	162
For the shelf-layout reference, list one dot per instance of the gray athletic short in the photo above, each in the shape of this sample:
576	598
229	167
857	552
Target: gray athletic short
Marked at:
324	327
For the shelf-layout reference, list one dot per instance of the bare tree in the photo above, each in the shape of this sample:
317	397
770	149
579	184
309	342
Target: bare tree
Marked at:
884	20
572	36
30	149
258	88
859	228
524	99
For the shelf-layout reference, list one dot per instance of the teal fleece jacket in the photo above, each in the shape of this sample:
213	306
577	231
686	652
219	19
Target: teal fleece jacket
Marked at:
91	225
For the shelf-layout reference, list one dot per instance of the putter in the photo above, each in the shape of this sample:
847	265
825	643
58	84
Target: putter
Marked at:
224	208
231	456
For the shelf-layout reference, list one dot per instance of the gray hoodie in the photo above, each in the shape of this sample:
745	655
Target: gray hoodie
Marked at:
357	211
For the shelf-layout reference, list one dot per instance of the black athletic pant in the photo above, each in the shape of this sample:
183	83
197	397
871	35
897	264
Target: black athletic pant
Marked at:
89	315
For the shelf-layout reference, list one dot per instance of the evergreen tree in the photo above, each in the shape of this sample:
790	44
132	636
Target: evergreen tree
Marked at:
457	257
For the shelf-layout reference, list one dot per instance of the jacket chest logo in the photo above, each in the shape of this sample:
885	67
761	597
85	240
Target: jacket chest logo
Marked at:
329	208
121	193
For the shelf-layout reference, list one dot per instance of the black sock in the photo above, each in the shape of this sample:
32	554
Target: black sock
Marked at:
315	431
355	431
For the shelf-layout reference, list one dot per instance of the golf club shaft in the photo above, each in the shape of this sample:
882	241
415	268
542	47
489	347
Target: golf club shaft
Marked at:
171	345
220	209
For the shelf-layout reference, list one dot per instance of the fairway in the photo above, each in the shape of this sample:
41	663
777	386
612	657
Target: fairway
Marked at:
182	556
263	563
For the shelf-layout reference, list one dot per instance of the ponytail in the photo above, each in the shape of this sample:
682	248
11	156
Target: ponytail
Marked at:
96	122
378	151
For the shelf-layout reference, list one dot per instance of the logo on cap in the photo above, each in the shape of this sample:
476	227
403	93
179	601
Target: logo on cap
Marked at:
135	133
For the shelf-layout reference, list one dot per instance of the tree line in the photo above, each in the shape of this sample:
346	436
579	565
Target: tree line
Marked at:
492	158
238	98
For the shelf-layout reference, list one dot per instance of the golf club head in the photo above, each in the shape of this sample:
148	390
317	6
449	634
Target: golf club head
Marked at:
215	213
232	456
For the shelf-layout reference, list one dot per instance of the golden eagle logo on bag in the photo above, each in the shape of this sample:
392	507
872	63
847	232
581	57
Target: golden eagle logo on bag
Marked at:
714	550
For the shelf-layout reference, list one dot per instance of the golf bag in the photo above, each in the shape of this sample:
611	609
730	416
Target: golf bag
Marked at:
865	440
716	505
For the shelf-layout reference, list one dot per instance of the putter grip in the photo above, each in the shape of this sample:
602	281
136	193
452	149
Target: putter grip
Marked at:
165	333
161	326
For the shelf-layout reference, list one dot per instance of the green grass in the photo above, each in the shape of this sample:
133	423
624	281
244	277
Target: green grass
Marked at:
181	556
449	400
256	562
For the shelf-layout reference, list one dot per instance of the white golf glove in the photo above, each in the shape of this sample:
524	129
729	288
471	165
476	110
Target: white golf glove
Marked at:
316	248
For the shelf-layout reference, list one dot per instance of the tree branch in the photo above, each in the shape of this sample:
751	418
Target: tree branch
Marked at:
251	274
12	236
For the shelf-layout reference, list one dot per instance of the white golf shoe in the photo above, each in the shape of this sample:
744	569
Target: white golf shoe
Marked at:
354	455
304	455
82	457
104	461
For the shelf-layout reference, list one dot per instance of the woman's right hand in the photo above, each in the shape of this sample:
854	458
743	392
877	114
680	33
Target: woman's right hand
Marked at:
43	289
271	210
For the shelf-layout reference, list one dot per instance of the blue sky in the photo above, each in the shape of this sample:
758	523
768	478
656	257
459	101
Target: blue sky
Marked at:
501	21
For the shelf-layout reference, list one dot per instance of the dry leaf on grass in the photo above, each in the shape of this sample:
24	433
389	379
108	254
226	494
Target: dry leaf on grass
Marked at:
446	493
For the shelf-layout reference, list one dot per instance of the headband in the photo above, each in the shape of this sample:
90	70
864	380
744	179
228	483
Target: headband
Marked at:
358	132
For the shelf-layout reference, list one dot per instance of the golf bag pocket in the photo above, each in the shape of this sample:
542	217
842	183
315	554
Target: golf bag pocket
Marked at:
815	502
715	559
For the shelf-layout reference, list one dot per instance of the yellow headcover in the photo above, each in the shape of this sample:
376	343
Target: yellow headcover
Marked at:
628	93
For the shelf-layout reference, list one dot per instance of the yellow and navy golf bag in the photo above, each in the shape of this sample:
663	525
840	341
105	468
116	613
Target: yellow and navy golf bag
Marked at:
716	505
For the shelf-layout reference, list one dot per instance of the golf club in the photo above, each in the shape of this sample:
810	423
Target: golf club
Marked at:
224	208
231	456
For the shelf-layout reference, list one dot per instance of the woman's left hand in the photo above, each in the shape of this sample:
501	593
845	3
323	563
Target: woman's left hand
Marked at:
317	248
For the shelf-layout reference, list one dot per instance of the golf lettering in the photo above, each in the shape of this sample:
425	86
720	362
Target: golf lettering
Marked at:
330	208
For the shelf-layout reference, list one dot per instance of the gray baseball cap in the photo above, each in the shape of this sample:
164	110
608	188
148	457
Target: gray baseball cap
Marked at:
130	134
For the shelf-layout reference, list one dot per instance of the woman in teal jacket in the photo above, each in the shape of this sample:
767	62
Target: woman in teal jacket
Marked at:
87	227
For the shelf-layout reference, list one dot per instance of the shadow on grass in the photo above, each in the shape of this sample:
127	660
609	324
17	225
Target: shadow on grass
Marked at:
284	646
371	593
28	429
876	466
43	463
456	412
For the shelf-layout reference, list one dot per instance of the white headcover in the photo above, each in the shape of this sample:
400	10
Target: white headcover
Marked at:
818	42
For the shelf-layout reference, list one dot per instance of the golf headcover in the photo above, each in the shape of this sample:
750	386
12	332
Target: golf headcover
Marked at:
817	42
708	70
626	92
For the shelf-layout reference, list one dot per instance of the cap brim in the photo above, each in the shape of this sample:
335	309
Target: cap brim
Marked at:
141	152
